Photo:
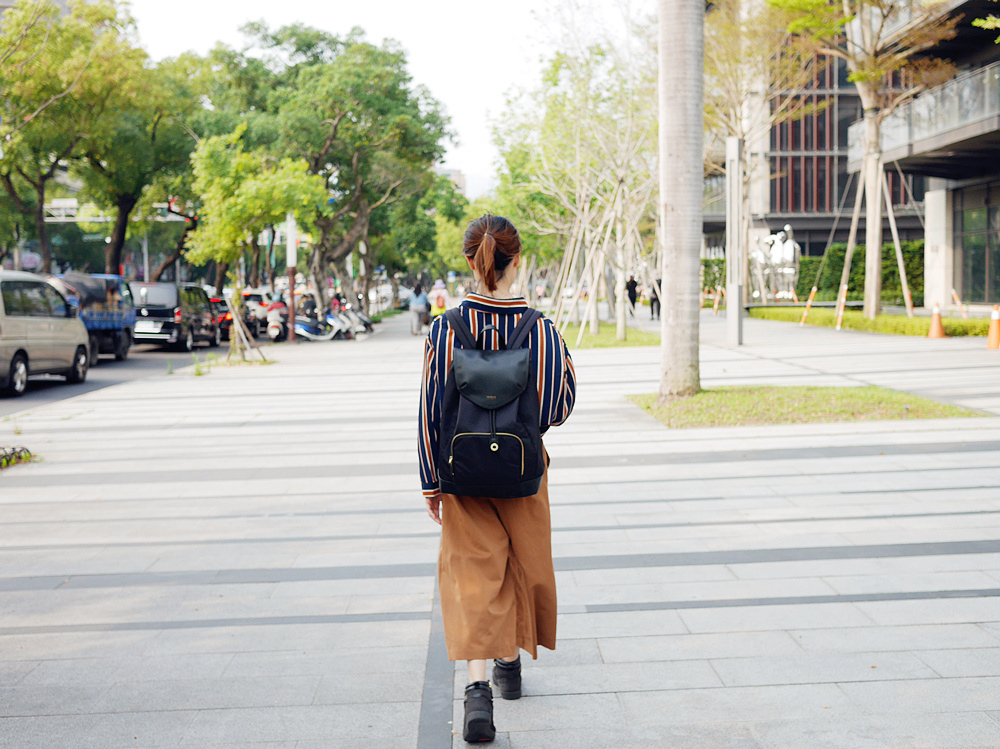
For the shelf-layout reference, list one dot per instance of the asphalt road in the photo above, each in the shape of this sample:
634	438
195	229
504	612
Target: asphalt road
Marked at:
143	361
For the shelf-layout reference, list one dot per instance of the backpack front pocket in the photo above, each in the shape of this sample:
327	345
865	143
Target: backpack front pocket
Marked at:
484	457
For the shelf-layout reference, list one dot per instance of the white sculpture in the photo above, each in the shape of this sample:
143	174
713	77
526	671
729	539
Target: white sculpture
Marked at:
774	266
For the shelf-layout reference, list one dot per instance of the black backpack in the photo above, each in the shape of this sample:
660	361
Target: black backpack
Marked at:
491	444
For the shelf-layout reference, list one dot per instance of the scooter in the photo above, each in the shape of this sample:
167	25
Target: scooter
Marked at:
277	323
313	329
340	325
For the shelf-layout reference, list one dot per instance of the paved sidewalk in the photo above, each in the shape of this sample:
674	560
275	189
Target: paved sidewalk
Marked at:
242	559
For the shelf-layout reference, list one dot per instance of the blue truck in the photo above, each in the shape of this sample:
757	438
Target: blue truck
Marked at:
106	308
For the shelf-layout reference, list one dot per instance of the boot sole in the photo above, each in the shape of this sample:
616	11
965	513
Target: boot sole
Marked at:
479	728
516	695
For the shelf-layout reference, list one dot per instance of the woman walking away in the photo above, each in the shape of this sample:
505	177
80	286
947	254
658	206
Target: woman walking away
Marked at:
496	376
418	310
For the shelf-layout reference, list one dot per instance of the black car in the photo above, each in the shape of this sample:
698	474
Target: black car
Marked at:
172	314
223	317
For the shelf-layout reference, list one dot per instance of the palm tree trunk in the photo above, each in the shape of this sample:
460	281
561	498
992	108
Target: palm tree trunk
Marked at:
873	217
681	56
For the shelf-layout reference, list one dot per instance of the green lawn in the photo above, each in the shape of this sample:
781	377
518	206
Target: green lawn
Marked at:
606	338
855	320
755	405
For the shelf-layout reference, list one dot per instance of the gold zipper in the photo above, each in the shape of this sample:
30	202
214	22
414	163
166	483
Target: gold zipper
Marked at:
486	434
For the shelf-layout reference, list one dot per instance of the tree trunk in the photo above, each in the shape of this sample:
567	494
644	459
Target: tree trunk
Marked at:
681	50
221	269
192	225
873	217
42	229
254	262
620	311
113	253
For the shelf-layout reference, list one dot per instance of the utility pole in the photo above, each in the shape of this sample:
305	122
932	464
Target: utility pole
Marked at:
735	241
292	262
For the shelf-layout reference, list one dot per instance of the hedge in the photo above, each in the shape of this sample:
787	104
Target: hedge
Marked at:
714	273
855	320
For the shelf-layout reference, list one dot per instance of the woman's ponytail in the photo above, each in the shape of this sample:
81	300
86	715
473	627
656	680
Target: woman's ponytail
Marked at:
485	261
491	243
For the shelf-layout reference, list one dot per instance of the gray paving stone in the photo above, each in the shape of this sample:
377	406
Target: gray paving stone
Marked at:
207	694
316	723
340	687
733	704
685	647
764	618
939	731
888	638
576	626
374	660
821	668
725	736
955	662
926	696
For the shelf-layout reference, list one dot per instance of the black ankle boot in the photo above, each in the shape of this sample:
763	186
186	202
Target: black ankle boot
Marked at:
507	677
479	713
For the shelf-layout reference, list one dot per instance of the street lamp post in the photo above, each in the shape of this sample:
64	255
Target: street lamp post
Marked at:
292	262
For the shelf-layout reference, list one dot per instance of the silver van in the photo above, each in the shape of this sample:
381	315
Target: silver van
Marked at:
40	333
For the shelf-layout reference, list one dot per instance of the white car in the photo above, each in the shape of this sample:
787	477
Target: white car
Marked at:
40	333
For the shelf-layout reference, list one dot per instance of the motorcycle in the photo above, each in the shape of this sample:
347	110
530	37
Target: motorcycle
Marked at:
341	326
277	322
313	329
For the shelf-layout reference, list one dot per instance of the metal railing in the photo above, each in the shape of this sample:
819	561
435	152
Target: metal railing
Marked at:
966	99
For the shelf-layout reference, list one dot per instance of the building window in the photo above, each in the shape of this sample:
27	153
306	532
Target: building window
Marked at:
977	243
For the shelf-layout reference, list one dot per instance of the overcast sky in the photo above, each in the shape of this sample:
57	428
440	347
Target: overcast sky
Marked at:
469	53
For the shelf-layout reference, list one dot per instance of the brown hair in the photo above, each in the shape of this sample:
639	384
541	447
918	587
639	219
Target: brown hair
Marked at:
491	242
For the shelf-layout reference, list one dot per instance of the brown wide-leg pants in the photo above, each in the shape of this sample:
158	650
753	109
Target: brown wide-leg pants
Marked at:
498	587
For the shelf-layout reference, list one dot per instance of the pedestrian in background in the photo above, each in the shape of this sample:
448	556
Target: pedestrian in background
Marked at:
418	310
495	571
654	300
632	287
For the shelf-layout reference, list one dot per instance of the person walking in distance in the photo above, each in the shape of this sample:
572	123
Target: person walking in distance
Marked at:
632	287
495	570
654	300
418	310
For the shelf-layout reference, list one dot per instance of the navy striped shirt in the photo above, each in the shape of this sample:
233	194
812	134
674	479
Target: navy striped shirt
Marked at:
554	368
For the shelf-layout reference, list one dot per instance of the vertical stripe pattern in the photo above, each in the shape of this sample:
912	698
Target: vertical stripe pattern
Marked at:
555	375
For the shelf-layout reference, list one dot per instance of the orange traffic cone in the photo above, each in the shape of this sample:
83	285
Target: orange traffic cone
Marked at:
993	339
937	329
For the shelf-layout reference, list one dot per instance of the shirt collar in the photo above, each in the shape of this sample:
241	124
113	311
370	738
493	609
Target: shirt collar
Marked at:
488	304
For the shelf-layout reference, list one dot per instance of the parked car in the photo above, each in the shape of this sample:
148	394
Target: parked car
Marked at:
40	333
223	317
104	304
174	315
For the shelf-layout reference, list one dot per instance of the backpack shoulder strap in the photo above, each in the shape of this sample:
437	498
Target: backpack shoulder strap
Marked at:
462	331
523	329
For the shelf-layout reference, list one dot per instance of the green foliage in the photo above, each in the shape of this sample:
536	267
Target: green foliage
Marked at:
714	273
990	22
244	192
892	324
62	75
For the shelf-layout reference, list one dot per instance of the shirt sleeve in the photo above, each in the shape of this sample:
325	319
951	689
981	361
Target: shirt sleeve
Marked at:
429	419
567	394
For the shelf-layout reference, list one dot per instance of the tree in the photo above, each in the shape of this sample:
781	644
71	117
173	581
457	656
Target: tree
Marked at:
28	29
884	44
143	137
88	57
681	112
749	89
242	193
348	108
